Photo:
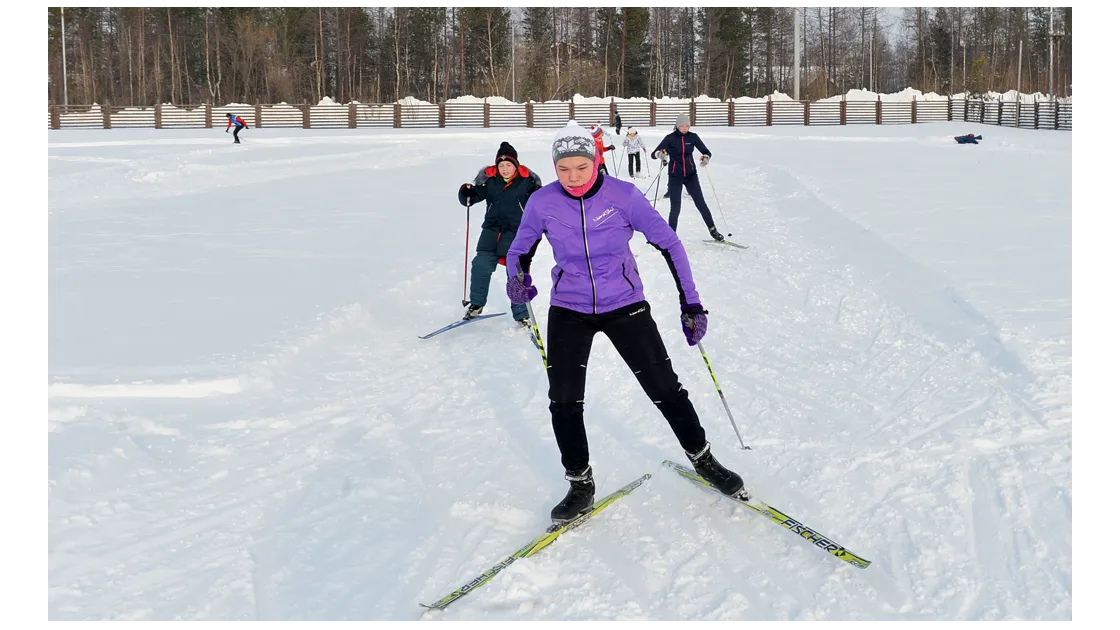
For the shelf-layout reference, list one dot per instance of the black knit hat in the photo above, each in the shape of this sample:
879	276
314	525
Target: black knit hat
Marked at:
506	152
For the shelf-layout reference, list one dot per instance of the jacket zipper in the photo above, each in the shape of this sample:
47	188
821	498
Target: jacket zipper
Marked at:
684	166
587	251
627	278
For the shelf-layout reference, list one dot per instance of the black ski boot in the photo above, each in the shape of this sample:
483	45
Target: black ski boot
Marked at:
715	233
580	497
473	311
714	473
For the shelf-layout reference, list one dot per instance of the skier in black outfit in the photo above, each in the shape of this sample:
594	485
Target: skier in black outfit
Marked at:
617	124
676	149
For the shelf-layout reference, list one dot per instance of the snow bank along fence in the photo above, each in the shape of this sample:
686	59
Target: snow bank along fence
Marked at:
1037	115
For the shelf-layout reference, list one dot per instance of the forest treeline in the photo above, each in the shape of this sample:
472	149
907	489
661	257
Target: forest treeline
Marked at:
140	56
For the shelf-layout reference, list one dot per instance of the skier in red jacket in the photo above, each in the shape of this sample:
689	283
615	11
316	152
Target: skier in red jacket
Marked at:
238	123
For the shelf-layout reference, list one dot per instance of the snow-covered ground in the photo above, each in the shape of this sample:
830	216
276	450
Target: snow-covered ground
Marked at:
244	425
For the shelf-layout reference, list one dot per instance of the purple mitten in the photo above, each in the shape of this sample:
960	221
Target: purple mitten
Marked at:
694	323
520	290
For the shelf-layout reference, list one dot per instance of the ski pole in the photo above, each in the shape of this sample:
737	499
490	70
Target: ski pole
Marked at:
655	181
716	195
614	152
537	341
466	249
537	337
700	346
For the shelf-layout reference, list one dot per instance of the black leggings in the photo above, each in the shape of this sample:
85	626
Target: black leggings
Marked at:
635	163
236	130
692	184
634	334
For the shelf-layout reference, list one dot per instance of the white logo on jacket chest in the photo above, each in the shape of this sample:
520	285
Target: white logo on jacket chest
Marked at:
606	214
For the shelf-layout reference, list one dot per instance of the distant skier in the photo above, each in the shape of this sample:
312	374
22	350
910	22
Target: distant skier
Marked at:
589	219
617	123
597	134
238	123
505	187
969	139
676	150
634	149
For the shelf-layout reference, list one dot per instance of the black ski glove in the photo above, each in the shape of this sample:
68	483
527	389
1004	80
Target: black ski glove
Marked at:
465	194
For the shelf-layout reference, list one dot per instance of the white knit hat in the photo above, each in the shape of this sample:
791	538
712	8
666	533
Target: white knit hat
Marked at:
683	119
572	141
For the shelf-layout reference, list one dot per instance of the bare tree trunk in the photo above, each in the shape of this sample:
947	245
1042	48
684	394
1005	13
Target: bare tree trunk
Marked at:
218	60
348	80
336	75
558	32
159	71
571	70
397	50
447	38
769	51
435	69
708	53
862	44
653	65
131	94
171	53
727	77
781	50
831	46
822	71
606	53
206	46
490	51
751	77
679	82
143	61
463	87
921	51
110	82
622	58
320	78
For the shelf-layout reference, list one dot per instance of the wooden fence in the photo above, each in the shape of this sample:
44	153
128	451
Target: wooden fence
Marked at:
1038	115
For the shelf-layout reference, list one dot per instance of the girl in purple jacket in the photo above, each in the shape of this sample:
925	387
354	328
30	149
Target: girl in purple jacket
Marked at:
589	219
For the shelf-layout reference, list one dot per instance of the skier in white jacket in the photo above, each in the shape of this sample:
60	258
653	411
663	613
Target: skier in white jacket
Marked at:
634	148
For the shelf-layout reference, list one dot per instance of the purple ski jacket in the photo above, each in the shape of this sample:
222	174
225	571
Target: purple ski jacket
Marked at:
595	271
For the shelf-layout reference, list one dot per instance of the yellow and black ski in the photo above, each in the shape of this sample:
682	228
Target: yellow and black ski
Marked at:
537	544
779	517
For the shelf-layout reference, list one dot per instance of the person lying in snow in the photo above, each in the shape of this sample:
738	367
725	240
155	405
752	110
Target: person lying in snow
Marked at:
969	139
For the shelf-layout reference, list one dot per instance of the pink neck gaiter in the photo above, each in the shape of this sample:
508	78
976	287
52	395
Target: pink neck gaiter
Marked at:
582	190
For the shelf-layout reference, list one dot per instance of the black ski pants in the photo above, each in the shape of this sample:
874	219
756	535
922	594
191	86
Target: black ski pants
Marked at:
634	334
635	163
692	183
